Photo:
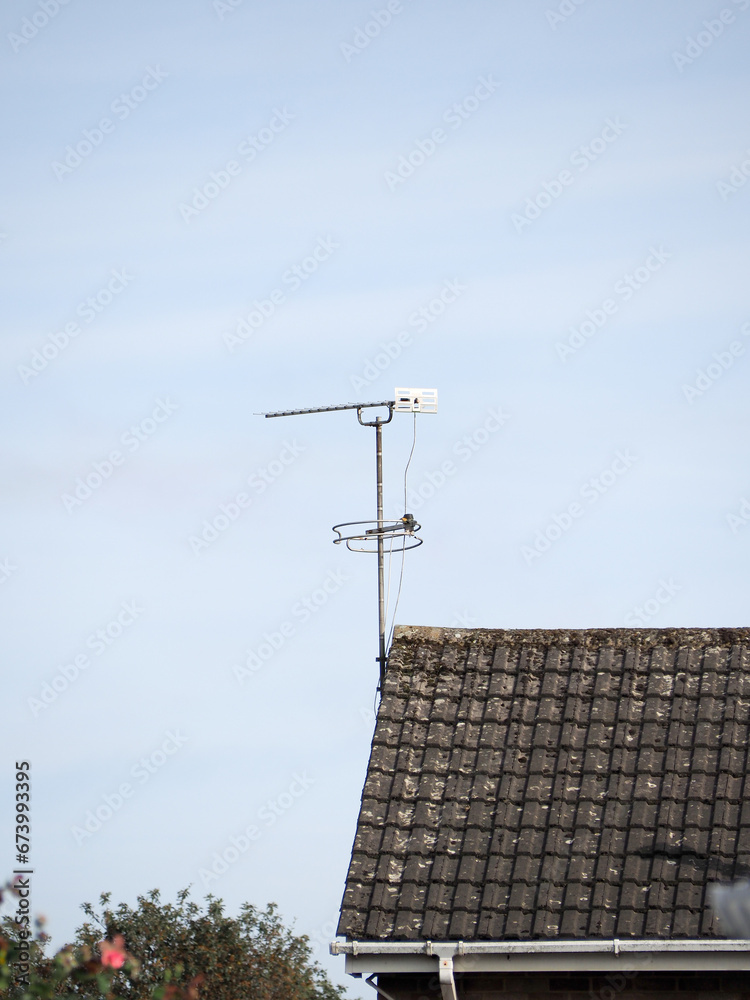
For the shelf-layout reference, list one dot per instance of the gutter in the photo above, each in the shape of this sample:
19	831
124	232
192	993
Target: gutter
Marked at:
614	946
615	954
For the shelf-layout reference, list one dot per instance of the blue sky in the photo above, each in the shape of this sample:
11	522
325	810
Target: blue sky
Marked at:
572	178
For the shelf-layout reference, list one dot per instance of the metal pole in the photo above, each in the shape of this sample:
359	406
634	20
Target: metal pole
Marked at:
381	574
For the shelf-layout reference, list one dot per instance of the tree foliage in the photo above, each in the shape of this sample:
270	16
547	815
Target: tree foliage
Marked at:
183	951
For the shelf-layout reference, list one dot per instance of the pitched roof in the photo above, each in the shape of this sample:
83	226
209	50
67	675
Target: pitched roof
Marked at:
561	783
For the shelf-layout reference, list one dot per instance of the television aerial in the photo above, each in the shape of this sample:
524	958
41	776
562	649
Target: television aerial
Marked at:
372	536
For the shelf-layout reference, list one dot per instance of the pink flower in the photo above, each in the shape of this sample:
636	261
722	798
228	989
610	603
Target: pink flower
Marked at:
112	952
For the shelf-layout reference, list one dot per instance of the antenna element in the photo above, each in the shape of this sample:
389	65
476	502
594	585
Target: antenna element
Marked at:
407	401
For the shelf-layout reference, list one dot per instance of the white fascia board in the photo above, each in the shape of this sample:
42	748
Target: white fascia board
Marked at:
631	955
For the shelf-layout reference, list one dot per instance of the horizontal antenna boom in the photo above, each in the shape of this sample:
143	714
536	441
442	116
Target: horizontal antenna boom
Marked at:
327	409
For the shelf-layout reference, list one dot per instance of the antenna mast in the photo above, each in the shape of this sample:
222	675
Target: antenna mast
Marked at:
406	401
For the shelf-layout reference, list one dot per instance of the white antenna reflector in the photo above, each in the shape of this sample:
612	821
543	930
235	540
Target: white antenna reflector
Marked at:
416	401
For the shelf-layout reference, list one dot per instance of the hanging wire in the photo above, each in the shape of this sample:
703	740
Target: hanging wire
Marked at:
388	588
403	551
395	606
406	470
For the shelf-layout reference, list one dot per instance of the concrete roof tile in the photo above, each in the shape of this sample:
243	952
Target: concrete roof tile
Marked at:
545	783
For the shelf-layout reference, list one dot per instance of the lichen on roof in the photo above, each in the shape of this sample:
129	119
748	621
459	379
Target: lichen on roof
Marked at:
537	783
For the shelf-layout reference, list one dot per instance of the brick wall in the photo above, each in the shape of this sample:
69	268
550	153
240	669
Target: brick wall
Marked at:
576	986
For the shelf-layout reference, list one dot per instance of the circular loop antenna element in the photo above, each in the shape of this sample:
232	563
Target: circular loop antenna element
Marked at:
360	538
